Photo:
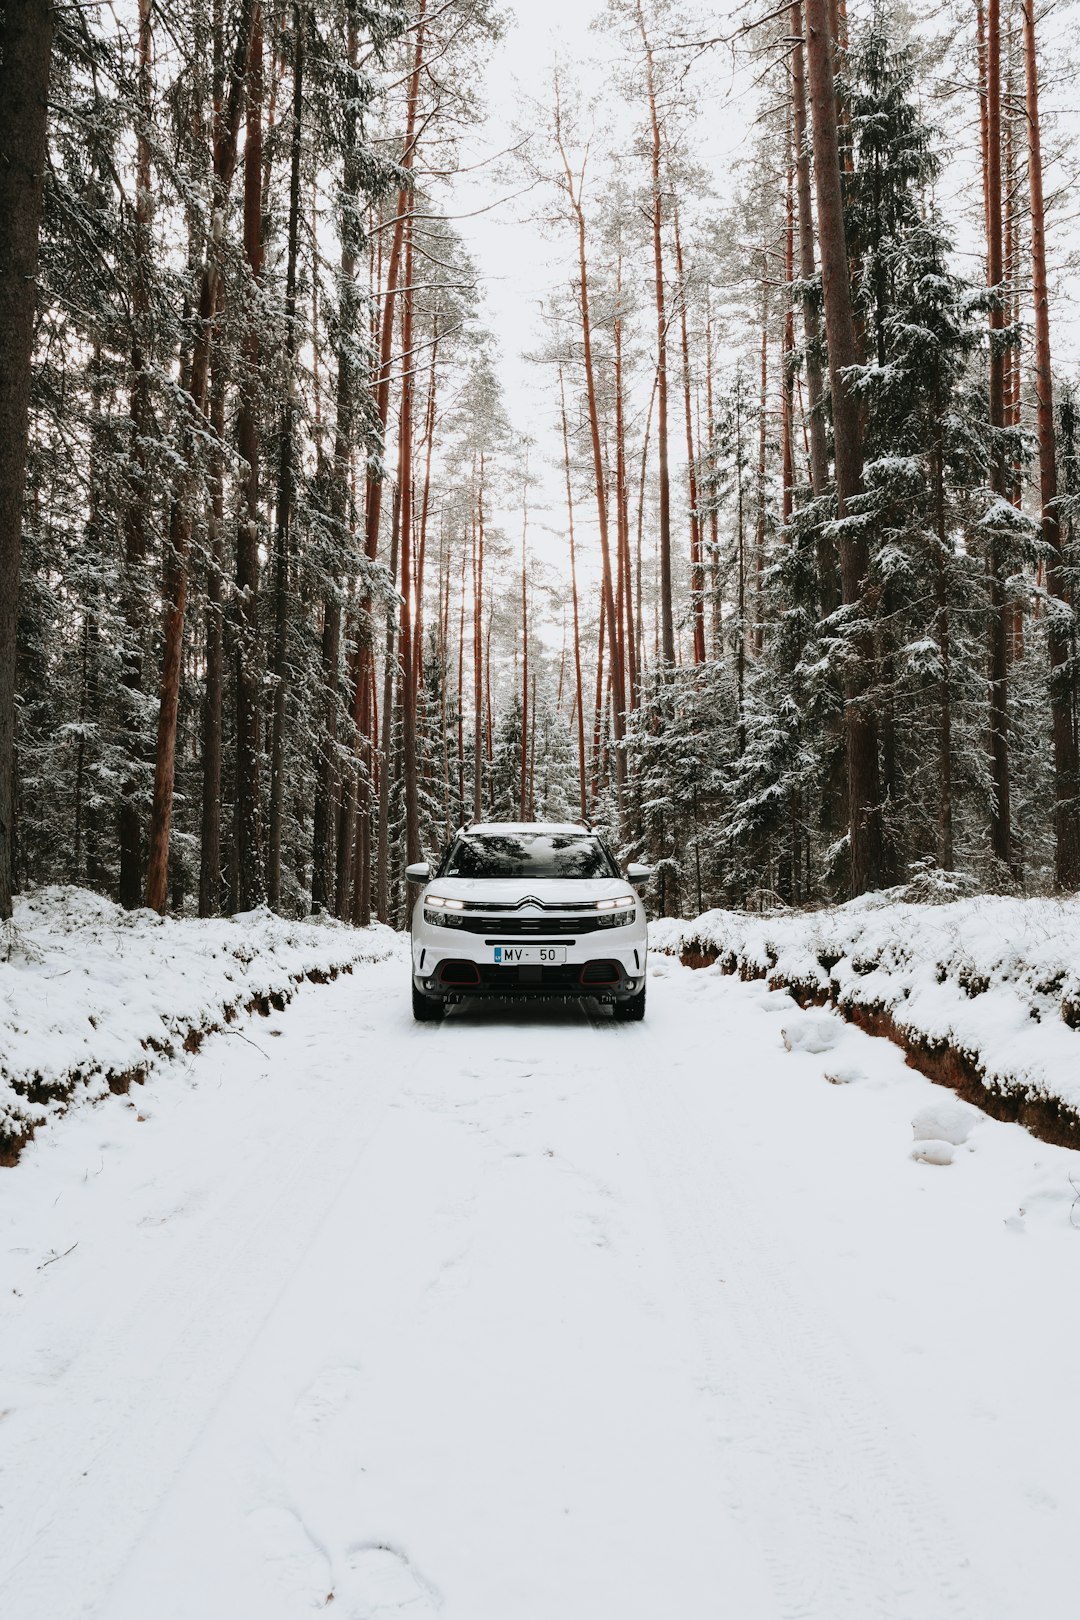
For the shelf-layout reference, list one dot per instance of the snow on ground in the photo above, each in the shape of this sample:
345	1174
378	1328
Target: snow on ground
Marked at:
994	977
531	1314
89	991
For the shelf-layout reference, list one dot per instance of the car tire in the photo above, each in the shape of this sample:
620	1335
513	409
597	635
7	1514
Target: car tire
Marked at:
426	1009
631	1011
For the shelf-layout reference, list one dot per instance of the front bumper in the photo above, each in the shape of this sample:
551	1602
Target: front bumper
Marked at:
450	964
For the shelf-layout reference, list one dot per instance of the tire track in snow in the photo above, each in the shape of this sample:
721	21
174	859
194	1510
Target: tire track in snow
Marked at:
855	1534
166	1364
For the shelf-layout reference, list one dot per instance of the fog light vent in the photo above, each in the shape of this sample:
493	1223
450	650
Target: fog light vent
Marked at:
459	973
600	973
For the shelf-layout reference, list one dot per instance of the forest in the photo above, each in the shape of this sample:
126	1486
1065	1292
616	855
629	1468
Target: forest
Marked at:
780	591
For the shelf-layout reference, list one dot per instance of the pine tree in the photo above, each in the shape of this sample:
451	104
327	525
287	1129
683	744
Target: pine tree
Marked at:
25	62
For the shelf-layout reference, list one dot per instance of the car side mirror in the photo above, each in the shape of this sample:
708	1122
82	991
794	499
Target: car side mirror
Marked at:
637	873
418	872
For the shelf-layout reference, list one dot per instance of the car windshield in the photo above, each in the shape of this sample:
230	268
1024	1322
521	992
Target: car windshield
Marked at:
529	855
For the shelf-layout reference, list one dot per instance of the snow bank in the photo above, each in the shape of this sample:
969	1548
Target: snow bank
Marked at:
90	994
982	993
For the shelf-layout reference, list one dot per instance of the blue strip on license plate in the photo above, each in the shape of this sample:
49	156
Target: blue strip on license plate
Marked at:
529	955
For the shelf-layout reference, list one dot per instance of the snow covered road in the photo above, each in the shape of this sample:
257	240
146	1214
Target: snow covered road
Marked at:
532	1316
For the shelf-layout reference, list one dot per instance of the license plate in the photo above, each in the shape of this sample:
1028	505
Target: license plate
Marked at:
529	955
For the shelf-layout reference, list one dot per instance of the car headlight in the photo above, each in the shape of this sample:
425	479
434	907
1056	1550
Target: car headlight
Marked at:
443	902
442	919
616	919
620	902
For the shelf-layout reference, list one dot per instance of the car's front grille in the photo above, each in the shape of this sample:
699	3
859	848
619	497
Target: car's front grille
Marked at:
570	979
533	927
461	977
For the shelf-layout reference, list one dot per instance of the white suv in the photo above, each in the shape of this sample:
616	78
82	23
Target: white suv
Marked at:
528	909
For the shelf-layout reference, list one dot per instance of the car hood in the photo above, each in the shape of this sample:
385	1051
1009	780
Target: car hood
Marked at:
545	891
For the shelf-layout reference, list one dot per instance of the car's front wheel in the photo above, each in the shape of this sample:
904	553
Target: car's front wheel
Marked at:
631	1011
426	1009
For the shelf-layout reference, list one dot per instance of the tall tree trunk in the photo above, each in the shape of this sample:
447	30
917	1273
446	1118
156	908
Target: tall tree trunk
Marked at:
562	668
26	33
489	713
667	617
984	142
181	520
130	819
286	480
578	696
478	650
524	655
531	811
608	593
828	583
787	357
697	573
1013	384
1001	839
759	493
1059	624
405	484
742	628
866	842
622	507
87	822
425	510
444	685
364	849
330	879
946	853
362	776
210	895
1012	388
386	753
715	635
325	818
461	674
597	738
250	888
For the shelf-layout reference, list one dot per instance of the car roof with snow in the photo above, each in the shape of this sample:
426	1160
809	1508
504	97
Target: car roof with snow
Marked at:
496	827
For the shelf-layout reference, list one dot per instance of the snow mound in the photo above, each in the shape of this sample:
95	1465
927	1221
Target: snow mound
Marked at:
665	934
91	995
816	1032
945	1121
986	984
845	1074
933	1152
